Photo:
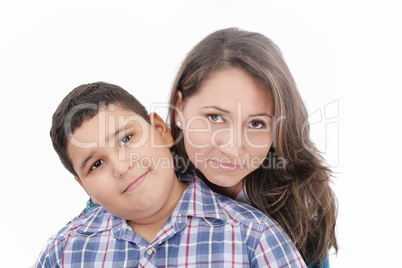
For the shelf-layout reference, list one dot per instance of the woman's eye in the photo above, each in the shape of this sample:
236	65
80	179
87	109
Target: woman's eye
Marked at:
256	124
125	139
97	164
215	118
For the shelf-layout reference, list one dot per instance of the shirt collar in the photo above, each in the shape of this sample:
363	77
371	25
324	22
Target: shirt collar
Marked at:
97	220
198	200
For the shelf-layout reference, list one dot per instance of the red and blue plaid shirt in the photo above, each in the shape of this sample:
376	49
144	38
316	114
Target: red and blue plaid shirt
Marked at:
205	230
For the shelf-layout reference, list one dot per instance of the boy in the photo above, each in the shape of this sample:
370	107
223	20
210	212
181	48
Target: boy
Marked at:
147	217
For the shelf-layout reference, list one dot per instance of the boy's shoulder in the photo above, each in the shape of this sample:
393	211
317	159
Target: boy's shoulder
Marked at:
264	237
202	201
243	212
98	220
85	229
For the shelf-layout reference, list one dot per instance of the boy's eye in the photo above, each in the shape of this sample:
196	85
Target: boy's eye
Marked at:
256	124
215	118
97	164
125	139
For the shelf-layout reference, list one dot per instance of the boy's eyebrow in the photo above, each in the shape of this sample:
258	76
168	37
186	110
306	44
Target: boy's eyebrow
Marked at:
111	136
85	161
116	133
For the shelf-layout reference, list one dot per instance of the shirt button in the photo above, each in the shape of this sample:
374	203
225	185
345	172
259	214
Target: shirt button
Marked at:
149	251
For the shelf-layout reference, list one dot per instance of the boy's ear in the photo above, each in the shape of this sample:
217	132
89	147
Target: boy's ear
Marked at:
158	123
178	107
80	183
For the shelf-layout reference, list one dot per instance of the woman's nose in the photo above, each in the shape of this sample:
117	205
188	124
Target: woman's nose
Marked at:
229	140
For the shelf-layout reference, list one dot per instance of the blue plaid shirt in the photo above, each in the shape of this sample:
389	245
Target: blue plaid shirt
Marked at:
205	230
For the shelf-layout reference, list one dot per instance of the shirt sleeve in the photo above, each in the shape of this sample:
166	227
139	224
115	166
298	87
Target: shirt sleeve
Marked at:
275	249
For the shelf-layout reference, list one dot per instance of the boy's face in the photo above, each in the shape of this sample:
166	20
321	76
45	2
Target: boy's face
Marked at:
123	162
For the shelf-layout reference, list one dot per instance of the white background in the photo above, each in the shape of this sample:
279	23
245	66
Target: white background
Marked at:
344	55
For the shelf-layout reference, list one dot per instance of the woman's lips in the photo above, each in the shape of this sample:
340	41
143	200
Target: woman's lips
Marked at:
226	167
135	184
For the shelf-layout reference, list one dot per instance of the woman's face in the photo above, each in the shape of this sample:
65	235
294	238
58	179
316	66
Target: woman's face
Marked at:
227	126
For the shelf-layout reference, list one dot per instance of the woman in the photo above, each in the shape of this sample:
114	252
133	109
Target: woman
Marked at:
239	121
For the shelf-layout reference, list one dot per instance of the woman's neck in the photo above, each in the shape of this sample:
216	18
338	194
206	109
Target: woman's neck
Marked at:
231	192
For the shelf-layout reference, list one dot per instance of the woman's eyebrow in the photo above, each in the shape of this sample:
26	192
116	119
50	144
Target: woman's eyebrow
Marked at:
261	114
217	108
226	111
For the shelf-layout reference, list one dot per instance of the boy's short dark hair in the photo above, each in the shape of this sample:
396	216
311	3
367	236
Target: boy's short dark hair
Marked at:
82	104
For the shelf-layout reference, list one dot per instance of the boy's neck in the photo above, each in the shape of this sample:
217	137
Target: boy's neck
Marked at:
149	228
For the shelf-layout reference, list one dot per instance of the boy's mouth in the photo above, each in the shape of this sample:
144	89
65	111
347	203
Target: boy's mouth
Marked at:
137	182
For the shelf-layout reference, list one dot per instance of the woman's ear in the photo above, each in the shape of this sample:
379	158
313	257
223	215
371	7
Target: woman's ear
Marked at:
160	126
178	114
83	187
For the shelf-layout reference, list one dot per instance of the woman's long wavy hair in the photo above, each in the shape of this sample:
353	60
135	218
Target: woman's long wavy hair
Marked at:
297	193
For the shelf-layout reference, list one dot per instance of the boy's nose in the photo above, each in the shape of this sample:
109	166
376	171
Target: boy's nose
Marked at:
120	166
